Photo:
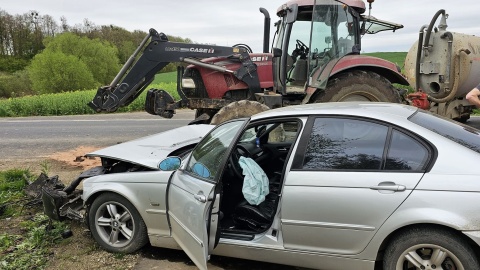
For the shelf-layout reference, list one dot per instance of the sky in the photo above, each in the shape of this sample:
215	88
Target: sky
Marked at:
224	22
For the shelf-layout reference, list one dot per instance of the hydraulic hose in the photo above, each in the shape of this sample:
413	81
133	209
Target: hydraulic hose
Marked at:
431	25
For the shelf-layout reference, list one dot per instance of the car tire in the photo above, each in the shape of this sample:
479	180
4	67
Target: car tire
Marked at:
419	245
358	85
116	225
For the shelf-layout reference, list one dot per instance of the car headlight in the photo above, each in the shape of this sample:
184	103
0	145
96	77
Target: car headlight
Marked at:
188	83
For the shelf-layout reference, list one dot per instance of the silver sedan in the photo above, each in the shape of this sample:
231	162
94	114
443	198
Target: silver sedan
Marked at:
325	186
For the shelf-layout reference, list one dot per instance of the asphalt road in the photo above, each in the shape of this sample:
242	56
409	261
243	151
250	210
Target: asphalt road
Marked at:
40	136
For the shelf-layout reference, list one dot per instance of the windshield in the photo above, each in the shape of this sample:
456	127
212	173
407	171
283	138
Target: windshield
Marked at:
372	25
210	152
459	133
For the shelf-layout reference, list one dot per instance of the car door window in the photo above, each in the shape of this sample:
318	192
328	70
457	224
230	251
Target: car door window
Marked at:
406	153
345	144
209	153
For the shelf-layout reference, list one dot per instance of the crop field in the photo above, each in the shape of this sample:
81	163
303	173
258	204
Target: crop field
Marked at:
70	103
394	57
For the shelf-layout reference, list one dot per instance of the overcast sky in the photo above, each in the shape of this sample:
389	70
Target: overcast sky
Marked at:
223	22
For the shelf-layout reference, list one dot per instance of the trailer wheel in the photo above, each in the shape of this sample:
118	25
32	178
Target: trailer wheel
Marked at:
358	85
238	109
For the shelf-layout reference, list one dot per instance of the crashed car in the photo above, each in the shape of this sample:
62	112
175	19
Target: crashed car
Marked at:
325	186
140	155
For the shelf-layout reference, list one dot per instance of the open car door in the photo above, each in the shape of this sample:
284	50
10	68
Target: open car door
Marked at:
193	197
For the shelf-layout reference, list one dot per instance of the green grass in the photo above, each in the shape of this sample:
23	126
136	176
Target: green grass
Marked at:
30	250
12	183
170	77
395	57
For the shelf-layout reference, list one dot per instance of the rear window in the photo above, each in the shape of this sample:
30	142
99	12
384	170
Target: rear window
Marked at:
457	132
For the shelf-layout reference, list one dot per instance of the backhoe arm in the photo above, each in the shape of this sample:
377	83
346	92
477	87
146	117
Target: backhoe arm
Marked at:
135	76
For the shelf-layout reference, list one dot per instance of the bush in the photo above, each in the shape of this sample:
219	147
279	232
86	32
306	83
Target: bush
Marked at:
16	84
55	72
11	64
70	62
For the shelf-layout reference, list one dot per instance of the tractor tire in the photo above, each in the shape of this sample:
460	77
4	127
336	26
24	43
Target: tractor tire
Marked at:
207	115
238	109
358	85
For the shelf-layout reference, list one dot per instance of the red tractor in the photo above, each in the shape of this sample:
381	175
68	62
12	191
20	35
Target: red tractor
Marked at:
315	57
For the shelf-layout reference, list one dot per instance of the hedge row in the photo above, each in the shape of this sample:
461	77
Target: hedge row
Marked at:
69	103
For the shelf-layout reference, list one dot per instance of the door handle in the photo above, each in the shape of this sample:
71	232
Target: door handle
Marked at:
200	197
389	187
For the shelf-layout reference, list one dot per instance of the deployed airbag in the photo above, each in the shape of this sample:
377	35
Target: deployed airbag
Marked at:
255	183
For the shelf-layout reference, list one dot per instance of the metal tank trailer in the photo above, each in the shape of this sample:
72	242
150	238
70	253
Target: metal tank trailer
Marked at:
444	69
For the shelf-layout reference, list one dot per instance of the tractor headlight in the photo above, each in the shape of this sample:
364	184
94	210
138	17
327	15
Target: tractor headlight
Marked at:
188	83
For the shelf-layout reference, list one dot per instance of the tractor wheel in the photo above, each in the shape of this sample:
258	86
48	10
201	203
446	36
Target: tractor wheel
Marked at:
203	116
238	109
358	86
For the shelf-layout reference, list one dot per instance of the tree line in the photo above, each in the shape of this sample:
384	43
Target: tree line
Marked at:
35	47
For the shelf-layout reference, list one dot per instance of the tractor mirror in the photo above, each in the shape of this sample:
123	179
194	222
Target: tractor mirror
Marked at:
292	12
277	52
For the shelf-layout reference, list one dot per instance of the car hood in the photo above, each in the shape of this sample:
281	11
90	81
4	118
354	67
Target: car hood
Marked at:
149	151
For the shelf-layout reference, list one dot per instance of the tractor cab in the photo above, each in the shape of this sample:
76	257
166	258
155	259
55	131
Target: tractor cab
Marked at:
313	35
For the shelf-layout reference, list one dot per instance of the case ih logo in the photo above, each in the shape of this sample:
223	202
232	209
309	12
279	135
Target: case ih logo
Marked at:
260	58
200	50
196	50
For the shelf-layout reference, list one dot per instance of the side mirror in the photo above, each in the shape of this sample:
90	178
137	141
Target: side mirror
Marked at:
277	52
170	164
292	13
200	170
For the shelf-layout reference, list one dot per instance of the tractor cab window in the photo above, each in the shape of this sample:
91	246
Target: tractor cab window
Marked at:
334	34
298	52
320	35
372	25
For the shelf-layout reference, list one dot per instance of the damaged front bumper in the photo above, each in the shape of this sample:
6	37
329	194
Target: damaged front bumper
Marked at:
60	202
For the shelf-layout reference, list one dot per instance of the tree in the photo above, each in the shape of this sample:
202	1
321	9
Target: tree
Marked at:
54	72
99	56
80	62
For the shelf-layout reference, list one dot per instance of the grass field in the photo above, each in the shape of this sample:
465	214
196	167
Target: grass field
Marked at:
71	103
395	57
170	77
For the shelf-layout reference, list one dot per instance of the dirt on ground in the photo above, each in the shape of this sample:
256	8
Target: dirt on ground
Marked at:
76	157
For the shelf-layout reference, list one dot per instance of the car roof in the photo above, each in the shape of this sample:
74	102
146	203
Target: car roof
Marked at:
377	110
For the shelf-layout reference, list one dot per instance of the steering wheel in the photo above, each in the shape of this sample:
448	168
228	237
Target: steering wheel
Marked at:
300	50
244	46
234	159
